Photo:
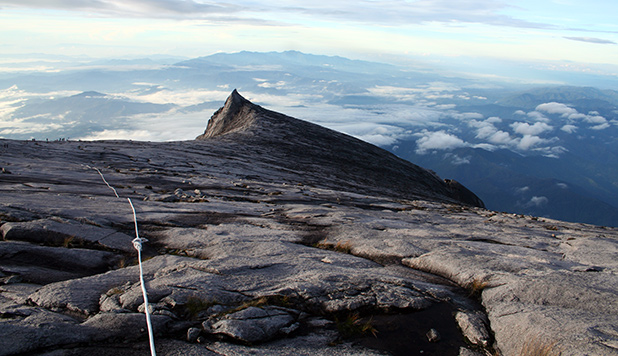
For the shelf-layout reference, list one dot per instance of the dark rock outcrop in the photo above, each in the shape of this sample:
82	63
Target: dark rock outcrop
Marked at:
463	194
326	157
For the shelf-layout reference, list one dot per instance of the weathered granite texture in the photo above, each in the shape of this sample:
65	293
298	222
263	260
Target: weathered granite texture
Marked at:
248	253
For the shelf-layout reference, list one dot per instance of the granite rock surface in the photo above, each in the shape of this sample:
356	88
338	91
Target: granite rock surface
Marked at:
267	237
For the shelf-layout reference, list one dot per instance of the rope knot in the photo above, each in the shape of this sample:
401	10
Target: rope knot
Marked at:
137	242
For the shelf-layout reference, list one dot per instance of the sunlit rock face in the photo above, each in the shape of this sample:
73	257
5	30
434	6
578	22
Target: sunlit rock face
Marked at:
272	236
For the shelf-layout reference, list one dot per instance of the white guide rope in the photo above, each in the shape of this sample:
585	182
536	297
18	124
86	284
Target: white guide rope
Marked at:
110	187
137	244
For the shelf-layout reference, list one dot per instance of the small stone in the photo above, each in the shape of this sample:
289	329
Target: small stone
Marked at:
290	329
433	335
319	322
467	352
207	326
142	308
201	340
193	334
216	309
164	312
473	326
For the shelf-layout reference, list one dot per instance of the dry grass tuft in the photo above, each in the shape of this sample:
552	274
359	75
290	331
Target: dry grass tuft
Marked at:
340	246
351	325
537	347
114	291
476	286
345	246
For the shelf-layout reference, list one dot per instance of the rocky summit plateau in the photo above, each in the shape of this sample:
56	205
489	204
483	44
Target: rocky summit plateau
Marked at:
268	235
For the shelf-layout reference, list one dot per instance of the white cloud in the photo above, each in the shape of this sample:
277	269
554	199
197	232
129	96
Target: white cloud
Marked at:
525	128
599	122
553	152
537	116
328	115
399	93
562	185
468	116
438	140
522	190
501	138
486	131
137	135
601	127
180	97
578	116
594	119
268	85
29	129
528	141
375	133
537	201
569	128
157	127
485	146
456	160
378	139
419	95
556	108
485	128
590	40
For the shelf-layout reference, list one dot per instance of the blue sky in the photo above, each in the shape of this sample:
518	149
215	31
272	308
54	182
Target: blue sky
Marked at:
569	35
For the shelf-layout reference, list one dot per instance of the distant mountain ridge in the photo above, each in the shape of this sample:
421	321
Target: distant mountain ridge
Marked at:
288	59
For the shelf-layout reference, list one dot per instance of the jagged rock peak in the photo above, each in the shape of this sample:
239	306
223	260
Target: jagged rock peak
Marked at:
237	114
324	157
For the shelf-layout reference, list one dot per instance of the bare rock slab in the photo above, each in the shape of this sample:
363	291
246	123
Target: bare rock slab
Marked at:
253	324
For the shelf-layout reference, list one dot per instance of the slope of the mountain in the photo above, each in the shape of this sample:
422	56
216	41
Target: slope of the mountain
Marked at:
305	147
